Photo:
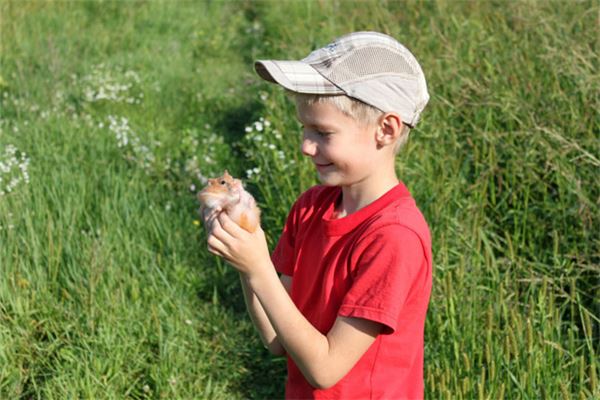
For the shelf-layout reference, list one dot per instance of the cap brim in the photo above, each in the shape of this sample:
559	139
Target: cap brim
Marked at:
296	76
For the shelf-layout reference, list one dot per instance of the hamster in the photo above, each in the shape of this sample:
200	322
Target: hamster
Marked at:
227	194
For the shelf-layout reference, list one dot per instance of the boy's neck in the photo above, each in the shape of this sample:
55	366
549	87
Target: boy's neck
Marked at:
364	193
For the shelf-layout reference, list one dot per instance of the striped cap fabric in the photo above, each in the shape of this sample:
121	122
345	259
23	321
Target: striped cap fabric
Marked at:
368	66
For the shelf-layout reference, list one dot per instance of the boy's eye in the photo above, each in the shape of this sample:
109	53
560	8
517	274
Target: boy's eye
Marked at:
323	134
312	131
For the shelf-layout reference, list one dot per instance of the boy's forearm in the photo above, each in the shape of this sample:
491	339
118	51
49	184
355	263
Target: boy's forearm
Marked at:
260	319
302	341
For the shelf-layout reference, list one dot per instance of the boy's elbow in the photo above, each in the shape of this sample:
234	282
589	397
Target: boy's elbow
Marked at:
323	379
322	385
324	371
275	348
277	351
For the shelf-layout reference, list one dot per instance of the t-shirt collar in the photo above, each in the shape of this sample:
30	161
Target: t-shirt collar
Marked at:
340	226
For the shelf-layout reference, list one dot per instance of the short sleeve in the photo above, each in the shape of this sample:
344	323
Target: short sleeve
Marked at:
388	266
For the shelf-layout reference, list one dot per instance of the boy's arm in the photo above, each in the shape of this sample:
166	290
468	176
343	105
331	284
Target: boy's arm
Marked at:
323	359
260	318
257	314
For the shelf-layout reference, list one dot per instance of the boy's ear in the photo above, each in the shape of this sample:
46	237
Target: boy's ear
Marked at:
388	129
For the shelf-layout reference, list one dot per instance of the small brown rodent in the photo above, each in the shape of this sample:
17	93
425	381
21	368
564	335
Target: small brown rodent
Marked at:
226	193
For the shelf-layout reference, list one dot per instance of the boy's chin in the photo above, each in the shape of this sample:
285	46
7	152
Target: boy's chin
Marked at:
329	179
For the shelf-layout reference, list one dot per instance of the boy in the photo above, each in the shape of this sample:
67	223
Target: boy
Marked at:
354	257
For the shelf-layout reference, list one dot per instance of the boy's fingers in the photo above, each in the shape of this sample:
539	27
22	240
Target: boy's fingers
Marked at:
218	231
215	246
229	225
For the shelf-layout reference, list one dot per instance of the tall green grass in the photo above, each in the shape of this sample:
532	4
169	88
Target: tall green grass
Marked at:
123	108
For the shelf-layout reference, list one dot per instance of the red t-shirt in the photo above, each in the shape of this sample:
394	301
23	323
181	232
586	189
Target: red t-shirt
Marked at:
373	264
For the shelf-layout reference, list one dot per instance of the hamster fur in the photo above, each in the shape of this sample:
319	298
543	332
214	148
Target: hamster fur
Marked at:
228	194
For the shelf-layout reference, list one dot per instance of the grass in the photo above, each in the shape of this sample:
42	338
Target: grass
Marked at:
112	113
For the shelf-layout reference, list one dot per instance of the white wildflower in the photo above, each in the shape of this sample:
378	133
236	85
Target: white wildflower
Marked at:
251	172
191	166
14	166
202	179
126	138
103	84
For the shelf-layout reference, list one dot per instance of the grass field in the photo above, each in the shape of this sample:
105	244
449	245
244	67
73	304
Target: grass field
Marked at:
113	113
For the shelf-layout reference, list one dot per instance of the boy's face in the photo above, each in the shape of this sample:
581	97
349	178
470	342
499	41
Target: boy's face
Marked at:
343	151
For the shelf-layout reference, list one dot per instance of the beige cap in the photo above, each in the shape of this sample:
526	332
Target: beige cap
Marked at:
368	66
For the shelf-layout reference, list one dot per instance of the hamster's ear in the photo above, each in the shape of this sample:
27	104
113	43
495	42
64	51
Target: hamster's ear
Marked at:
226	174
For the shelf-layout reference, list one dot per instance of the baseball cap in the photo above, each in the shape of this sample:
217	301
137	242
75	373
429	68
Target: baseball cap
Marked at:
368	66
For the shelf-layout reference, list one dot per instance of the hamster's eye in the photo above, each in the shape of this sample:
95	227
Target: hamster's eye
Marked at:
222	182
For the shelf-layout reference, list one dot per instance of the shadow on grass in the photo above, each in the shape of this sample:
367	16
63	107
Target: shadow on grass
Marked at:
263	375
259	375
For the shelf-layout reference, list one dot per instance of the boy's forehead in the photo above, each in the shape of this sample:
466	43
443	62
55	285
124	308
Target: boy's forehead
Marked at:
318	113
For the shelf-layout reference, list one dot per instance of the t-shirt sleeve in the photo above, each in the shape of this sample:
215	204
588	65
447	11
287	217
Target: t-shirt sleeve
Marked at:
283	256
389	265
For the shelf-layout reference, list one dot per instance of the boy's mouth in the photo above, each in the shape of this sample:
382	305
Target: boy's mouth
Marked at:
321	166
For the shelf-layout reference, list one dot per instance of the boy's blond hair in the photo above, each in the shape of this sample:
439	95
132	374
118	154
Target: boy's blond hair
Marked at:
361	112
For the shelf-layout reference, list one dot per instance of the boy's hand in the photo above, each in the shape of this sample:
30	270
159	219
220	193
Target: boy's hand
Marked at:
247	252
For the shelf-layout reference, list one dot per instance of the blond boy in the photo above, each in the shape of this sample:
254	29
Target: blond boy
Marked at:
345	293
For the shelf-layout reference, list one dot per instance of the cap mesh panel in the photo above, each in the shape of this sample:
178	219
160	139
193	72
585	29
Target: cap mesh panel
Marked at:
364	62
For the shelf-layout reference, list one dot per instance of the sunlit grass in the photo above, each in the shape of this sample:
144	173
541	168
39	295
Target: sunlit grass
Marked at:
112	114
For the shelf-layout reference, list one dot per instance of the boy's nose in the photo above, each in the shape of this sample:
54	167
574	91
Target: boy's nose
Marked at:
309	148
